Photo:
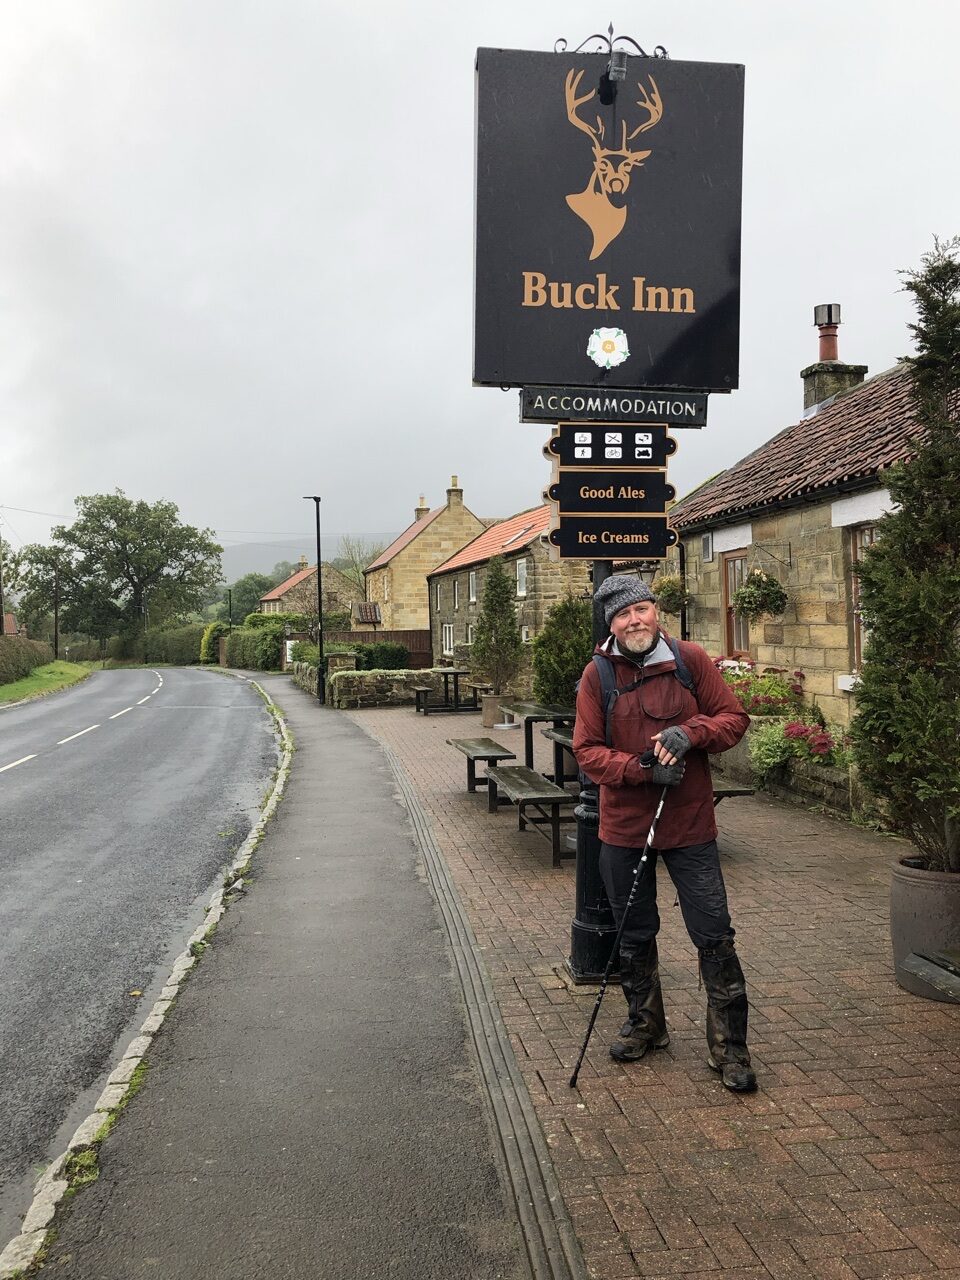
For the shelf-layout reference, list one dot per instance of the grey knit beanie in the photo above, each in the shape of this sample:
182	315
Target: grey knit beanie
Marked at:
619	592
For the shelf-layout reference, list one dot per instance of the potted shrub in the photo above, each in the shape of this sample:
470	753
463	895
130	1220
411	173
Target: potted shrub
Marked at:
497	642
761	596
561	651
907	725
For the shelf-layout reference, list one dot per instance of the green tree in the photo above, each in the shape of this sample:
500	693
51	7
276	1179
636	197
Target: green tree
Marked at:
136	558
246	595
497	645
562	650
907	727
280	572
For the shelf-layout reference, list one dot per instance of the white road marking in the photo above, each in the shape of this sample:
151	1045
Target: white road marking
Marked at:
77	735
121	713
22	760
146	699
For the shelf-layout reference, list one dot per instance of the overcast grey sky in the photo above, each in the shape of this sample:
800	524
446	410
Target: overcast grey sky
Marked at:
236	242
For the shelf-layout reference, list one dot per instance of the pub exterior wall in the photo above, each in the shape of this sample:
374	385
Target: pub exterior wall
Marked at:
548	581
800	546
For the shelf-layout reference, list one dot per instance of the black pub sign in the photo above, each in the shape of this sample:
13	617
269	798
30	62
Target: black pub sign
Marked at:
609	537
577	444
620	492
607	222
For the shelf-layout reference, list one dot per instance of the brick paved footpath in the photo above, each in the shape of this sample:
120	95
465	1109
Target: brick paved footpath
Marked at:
845	1164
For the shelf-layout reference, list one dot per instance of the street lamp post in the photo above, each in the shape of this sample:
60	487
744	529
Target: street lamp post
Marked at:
321	690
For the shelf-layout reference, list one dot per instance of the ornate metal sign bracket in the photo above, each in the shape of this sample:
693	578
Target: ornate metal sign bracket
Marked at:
608	43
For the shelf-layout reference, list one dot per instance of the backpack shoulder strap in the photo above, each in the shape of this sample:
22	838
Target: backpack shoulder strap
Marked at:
683	671
608	689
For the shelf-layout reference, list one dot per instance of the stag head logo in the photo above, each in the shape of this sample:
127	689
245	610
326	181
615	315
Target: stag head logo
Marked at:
600	204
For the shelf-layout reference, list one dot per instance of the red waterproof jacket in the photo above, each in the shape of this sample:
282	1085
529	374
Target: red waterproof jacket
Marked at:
713	721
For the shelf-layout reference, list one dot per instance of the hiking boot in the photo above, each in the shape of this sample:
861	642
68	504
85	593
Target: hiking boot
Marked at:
727	1015
646	1025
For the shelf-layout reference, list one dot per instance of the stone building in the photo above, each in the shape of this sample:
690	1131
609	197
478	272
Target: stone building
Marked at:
298	594
456	586
397	579
801	507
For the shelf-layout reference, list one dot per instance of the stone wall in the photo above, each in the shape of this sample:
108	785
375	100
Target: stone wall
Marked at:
815	635
380	688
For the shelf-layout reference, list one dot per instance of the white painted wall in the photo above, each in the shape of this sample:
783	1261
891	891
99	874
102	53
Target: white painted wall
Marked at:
732	537
860	508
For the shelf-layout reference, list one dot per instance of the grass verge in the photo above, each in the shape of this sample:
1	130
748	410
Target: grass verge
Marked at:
46	679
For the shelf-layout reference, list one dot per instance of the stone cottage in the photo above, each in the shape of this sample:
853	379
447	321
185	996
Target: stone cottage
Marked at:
298	594
801	507
397	579
456	586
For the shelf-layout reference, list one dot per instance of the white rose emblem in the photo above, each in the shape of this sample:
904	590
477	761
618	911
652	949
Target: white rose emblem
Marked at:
608	347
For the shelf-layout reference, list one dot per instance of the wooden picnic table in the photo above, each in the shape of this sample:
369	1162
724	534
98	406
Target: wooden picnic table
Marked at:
531	713
449	703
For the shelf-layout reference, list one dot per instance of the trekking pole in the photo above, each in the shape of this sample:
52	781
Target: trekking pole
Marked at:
619	934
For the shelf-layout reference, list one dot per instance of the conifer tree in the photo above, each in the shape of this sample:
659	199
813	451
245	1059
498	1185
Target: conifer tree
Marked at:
562	650
497	644
907	726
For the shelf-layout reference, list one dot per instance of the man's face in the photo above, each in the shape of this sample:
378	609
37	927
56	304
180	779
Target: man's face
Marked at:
635	628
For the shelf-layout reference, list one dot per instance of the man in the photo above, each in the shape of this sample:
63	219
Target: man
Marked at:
655	709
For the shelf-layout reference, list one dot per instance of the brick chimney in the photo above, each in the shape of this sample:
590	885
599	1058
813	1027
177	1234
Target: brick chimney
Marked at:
828	377
454	494
422	510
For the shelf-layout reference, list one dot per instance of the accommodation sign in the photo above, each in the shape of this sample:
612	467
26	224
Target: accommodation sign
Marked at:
607	223
609	537
586	445
597	404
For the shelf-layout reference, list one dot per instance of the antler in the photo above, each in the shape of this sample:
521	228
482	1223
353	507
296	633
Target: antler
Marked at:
653	105
573	102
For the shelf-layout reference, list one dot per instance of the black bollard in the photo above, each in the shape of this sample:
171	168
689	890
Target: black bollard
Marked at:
594	928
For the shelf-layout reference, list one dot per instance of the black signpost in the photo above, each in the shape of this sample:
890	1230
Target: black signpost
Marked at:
607	288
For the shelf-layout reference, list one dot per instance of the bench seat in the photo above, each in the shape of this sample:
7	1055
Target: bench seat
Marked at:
475	749
528	789
725	791
422	692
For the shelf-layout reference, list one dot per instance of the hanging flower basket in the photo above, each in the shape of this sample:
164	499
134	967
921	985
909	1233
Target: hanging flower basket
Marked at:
671	595
761	596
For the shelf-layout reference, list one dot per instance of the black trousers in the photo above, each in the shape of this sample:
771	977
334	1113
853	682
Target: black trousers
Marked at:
694	870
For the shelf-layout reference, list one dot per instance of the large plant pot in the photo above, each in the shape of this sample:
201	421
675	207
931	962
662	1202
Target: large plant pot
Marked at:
924	919
490	713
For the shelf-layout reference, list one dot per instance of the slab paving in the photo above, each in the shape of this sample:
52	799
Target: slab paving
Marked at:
846	1162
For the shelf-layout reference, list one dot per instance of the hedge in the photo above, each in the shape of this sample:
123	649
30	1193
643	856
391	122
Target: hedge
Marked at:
210	643
19	656
179	646
256	648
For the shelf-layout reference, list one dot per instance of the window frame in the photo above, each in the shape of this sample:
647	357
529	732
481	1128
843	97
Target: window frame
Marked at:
734	628
446	634
472	586
861	537
522	595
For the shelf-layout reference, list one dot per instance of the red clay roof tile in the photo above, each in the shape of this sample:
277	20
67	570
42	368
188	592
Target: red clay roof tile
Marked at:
500	539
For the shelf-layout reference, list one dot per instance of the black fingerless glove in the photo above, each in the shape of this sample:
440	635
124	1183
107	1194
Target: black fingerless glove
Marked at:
675	742
662	775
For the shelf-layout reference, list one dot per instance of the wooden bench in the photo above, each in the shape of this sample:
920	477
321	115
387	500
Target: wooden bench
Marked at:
562	739
528	789
422	692
723	791
475	749
478	690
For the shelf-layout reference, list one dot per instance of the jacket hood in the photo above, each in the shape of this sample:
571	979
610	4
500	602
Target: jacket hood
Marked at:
655	660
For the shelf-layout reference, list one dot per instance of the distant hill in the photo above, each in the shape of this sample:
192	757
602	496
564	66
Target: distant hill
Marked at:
260	557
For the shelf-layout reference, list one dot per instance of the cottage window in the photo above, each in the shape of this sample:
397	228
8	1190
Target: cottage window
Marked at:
456	593
438	595
447	639
525	634
737	629
863	536
470	632
473	586
386	590
521	577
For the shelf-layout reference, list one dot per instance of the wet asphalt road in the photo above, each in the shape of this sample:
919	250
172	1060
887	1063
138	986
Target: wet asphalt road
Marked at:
107	839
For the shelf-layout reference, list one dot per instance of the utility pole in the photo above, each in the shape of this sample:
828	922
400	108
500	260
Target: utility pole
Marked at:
56	610
2	616
321	682
229	609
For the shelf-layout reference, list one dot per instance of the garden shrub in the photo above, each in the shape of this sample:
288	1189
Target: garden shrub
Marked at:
772	745
210	644
770	692
382	655
256	648
562	650
19	656
297	621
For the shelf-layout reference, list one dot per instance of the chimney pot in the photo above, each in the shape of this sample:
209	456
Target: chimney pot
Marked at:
828	377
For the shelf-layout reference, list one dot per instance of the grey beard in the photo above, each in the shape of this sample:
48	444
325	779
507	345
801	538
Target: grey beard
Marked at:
635	649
